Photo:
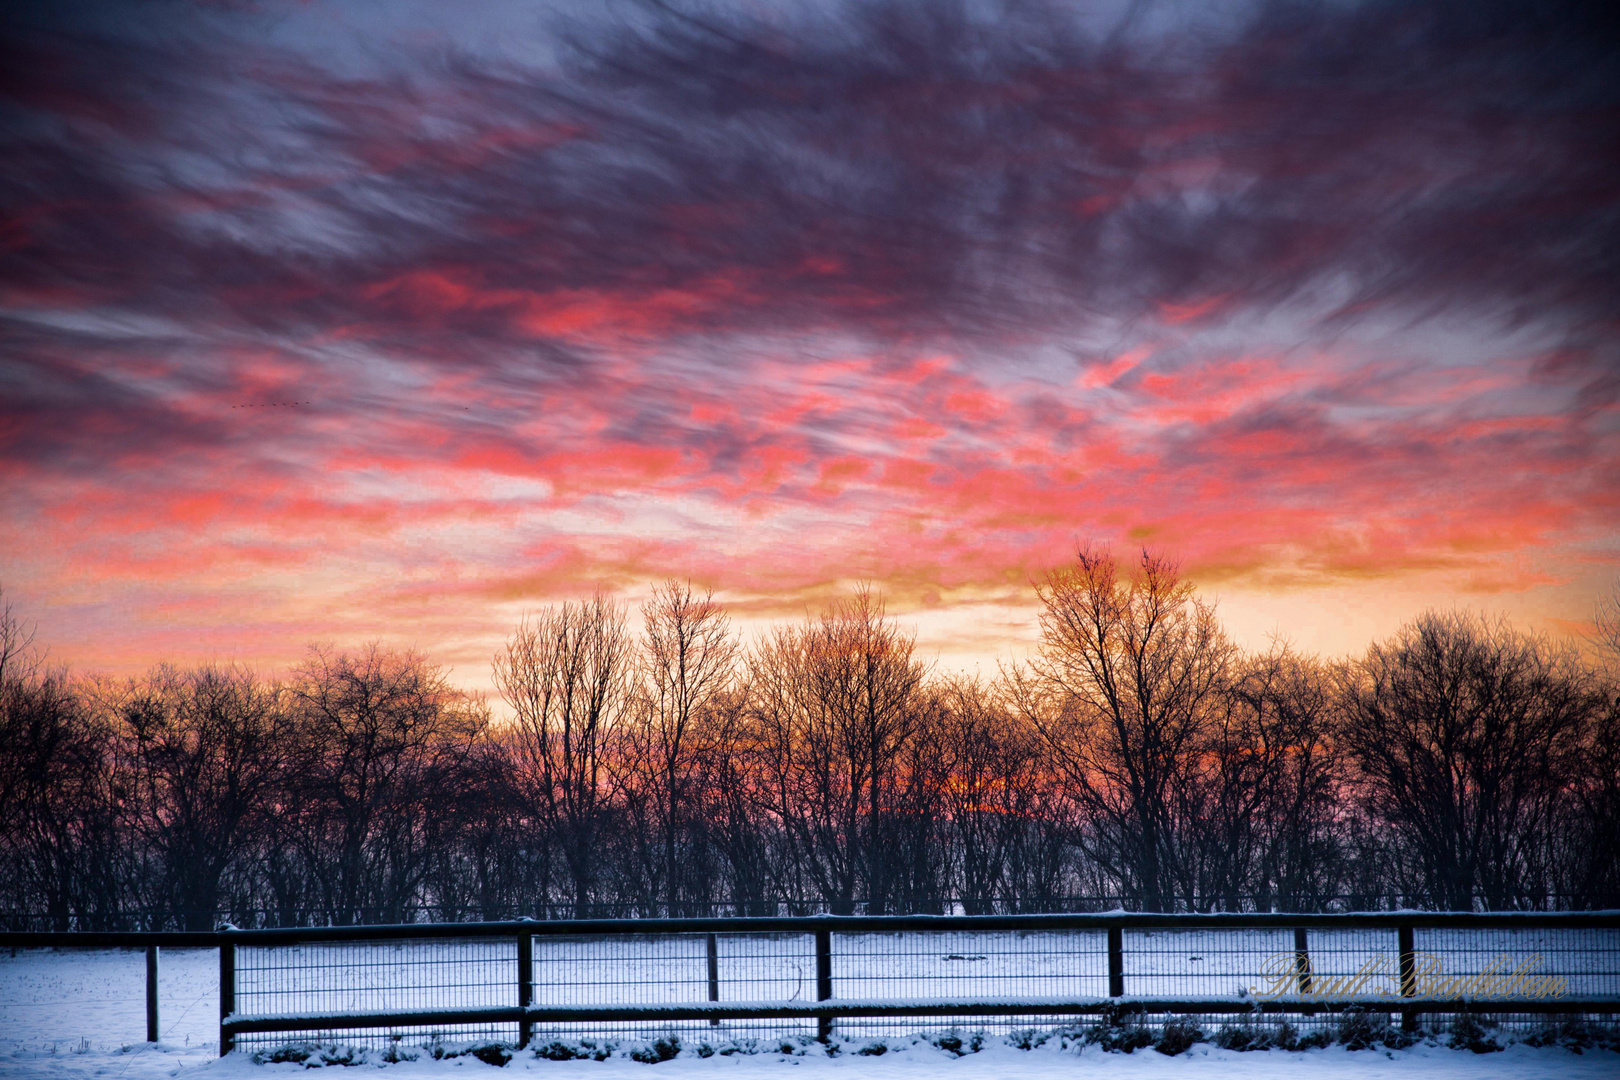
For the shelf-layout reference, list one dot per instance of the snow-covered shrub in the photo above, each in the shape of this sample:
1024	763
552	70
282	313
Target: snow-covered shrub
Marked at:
1247	1034
497	1054
1467	1033
1285	1036
953	1043
1178	1036
660	1049
397	1052
313	1055
1028	1038
1118	1033
490	1053
1574	1034
585	1049
298	1052
1362	1030
1399	1038
556	1050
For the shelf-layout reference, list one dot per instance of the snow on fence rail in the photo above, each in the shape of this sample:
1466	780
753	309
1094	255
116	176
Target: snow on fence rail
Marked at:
525	980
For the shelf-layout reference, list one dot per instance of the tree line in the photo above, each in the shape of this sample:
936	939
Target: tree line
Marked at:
1137	759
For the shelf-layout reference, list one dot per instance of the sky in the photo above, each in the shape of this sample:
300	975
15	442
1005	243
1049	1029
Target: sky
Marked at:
348	321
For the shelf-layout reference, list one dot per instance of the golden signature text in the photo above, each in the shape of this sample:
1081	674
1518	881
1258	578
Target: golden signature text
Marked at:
1290	975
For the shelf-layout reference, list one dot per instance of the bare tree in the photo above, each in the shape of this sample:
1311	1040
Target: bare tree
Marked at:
381	735
1464	733
737	801
992	760
207	749
913	836
835	703
1260	817
1592	826
565	673
689	661
19	670
62	852
479	860
18	657
1606	624
1126	683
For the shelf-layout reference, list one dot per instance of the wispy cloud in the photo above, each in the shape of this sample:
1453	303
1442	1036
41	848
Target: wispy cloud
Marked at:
910	292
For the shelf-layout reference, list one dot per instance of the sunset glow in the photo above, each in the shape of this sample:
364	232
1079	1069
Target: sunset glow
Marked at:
341	322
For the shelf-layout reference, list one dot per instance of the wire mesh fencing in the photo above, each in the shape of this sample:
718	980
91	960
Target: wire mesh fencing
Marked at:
347	979
538	984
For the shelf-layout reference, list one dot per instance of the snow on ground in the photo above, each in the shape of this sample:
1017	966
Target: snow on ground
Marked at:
997	1062
96	998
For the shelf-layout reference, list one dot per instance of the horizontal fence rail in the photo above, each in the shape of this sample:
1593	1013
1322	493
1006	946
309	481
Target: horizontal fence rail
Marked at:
170	918
520	981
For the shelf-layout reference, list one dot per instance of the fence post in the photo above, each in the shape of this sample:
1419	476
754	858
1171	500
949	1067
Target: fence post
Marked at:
823	981
1116	961
151	993
1302	960
713	947
1408	976
227	989
525	984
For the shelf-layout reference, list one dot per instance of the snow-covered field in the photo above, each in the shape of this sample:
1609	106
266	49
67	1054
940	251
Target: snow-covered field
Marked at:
70	1013
65	999
922	1062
